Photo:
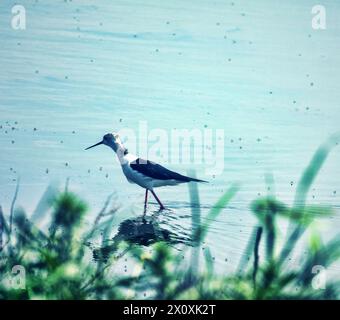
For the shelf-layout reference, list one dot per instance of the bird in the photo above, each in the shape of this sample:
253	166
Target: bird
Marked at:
145	173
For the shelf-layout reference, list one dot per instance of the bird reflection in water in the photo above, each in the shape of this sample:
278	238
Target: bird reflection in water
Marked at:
145	231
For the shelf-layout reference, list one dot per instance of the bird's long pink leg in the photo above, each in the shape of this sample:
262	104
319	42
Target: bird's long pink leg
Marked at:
159	201
146	200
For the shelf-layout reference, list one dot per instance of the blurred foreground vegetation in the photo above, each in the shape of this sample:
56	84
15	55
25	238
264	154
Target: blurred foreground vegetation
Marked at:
60	261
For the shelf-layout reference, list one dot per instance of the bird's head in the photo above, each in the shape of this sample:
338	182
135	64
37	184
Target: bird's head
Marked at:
112	140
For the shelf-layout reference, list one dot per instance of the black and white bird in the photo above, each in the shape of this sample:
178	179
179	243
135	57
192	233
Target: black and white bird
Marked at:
147	174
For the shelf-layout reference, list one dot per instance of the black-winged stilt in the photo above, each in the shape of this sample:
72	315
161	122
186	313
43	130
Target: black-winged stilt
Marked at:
147	174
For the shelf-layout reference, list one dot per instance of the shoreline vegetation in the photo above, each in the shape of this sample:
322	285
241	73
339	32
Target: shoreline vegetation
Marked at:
57	260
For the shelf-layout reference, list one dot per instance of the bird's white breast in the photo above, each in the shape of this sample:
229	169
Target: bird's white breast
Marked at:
134	176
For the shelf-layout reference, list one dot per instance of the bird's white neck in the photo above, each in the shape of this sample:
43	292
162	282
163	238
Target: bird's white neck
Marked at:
123	156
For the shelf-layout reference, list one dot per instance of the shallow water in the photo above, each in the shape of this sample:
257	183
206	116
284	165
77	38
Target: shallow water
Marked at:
255	69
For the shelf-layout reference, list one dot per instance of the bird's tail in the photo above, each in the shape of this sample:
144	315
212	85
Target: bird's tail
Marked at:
182	178
189	179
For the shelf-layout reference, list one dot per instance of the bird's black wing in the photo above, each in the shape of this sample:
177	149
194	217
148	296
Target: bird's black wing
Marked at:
156	171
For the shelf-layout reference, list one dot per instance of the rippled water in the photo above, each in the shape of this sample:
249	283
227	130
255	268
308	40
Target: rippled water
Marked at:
255	69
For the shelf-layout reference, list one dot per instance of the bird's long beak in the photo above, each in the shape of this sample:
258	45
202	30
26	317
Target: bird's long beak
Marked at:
97	144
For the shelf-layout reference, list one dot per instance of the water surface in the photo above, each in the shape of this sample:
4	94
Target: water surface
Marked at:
255	69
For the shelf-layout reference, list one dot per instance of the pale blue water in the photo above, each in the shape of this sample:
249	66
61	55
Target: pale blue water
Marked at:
256	69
